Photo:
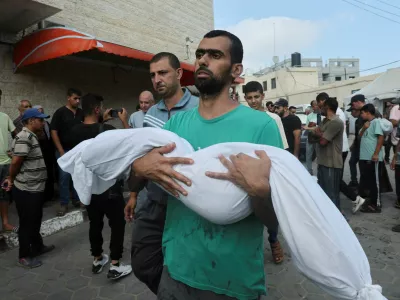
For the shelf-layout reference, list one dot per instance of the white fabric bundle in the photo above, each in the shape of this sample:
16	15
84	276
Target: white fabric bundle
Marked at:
323	246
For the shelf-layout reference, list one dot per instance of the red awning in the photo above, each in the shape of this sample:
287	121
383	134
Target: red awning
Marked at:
57	42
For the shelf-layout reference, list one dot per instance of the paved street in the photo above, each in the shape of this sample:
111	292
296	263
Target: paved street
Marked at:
66	273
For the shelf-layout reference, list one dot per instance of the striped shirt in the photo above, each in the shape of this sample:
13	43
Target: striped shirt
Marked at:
157	116
33	173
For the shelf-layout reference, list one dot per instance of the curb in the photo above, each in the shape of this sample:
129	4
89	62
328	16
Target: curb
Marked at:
49	227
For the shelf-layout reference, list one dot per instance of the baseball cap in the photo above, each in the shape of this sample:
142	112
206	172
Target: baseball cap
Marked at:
356	98
33	113
282	102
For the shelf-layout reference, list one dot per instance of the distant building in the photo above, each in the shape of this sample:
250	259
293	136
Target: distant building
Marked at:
336	69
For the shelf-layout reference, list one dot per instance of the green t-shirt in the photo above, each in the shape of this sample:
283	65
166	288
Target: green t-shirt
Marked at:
6	126
225	259
369	140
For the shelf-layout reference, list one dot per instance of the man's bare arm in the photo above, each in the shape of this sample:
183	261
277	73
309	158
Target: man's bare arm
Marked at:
297	135
264	211
15	166
57	143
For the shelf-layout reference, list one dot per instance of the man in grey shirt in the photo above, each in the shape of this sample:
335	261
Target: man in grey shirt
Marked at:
146	101
146	252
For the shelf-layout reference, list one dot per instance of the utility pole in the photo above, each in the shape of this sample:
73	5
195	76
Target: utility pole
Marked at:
345	74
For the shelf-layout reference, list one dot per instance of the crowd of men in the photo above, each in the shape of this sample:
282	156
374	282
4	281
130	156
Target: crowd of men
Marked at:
175	252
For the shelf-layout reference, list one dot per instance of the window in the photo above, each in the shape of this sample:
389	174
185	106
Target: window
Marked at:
265	85
351	65
354	91
352	77
325	77
313	64
338	78
337	63
273	83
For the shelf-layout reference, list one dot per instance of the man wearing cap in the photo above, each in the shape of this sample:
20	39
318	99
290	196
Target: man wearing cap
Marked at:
27	180
291	124
356	103
48	152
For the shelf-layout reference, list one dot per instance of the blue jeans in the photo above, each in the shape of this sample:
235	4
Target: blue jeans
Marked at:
63	184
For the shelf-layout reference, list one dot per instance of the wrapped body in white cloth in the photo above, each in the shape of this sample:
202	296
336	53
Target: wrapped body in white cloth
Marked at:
322	245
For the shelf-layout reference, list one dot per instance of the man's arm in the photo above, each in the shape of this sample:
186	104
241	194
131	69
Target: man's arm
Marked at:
15	167
297	135
378	148
56	141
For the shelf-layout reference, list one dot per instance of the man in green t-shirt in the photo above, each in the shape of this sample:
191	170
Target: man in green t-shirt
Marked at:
6	127
203	260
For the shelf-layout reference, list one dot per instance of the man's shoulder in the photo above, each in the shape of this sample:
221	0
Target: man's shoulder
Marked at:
25	135
337	121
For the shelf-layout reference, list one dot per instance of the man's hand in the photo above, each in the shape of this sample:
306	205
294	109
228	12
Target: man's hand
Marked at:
393	164
318	132
9	153
366	125
130	207
123	116
154	166
7	185
251	174
106	115
375	157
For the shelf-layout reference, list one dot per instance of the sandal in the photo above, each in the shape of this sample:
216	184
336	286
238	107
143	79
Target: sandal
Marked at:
371	209
277	252
15	229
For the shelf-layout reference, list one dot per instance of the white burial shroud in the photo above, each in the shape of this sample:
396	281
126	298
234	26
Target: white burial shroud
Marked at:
322	244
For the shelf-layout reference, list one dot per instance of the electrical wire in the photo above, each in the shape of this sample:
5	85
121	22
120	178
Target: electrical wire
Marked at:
398	7
371	12
377	8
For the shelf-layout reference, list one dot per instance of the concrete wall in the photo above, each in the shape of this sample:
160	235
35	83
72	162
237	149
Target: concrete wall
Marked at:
339	89
46	83
147	25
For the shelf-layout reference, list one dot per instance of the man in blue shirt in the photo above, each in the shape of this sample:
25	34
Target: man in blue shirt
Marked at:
146	252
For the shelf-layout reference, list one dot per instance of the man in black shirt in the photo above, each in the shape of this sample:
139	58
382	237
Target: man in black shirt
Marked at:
291	124
356	103
111	203
63	120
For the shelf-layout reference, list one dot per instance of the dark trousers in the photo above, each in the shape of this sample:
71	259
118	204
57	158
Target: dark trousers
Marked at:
30	212
355	157
329	180
397	179
172	289
344	188
368	187
113	209
388	147
146	253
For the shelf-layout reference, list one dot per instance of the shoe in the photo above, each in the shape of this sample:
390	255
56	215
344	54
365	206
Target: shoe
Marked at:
396	228
357	204
99	264
353	184
46	249
62	211
118	271
29	263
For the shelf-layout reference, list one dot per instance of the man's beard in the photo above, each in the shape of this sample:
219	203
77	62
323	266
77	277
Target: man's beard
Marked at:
212	86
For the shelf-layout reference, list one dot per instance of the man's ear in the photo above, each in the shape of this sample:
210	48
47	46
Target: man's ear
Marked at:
237	70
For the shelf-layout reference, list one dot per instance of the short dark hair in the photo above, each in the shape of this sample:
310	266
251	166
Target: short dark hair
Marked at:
369	108
72	91
322	97
312	101
173	60
236	49
253	86
269	103
89	102
292	107
332	104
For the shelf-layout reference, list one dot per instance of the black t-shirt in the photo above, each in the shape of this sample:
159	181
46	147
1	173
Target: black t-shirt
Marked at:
63	121
290	124
82	132
358	125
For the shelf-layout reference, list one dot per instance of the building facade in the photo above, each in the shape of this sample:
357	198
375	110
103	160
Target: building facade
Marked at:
153	26
335	69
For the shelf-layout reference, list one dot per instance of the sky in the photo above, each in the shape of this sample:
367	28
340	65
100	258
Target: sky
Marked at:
315	28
